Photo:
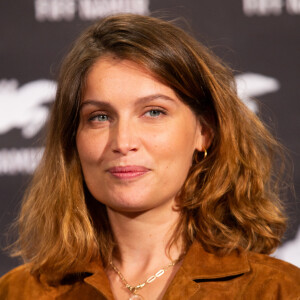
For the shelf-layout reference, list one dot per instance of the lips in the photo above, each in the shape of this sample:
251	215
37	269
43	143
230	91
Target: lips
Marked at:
128	172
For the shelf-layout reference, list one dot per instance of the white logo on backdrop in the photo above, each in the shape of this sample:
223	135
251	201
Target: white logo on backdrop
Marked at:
59	10
252	85
270	7
19	161
289	251
293	7
22	107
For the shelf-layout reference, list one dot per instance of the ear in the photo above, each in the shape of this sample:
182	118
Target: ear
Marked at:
204	136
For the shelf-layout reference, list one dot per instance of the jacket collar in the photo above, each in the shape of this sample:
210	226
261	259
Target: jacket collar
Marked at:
197	265
203	265
99	279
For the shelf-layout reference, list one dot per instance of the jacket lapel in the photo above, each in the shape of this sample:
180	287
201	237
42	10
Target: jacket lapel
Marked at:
99	280
199	265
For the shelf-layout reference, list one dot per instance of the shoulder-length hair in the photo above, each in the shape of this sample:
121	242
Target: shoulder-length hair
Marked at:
228	200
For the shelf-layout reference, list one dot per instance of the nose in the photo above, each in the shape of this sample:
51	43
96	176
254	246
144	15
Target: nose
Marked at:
124	137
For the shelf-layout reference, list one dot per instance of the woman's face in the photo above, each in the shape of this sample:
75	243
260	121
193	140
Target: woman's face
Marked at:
135	139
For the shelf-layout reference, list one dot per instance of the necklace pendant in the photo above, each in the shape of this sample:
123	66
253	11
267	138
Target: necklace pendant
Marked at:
136	297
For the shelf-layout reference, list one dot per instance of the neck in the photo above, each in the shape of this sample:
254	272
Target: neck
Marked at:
143	238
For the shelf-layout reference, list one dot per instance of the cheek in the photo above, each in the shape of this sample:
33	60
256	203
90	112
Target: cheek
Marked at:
89	148
178	141
173	149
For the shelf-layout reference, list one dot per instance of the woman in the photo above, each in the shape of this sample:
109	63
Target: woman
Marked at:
155	181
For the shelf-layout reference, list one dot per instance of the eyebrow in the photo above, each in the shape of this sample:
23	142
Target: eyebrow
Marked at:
140	100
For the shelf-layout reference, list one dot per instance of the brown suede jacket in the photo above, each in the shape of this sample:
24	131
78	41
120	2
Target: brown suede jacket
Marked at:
201	276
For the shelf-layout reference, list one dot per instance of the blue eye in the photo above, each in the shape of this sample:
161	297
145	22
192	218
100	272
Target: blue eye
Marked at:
154	113
102	118
99	118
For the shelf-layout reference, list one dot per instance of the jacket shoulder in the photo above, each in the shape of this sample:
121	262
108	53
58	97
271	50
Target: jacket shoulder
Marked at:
19	273
277	265
18	270
19	283
14	283
275	275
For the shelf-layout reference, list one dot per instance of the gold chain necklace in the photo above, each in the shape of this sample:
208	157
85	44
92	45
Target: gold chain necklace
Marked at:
134	289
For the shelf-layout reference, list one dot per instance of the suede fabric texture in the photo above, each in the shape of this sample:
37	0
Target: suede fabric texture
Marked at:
202	276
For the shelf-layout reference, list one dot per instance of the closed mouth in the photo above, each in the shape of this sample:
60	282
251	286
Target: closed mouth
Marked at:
128	172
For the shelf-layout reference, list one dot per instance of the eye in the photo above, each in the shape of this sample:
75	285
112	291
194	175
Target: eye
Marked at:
99	118
154	113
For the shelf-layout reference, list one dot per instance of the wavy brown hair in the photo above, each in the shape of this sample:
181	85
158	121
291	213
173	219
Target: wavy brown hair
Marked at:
229	199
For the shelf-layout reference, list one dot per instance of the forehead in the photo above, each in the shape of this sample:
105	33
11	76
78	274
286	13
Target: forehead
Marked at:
110	75
107	64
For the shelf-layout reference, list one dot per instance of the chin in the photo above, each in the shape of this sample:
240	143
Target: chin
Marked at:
129	208
128	202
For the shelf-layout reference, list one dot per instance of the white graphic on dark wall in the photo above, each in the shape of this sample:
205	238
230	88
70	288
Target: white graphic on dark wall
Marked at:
54	10
91	9
15	161
293	7
263	8
252	85
22	107
289	251
67	10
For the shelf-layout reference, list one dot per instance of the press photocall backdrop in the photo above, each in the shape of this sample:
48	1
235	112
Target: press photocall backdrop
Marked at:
260	39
